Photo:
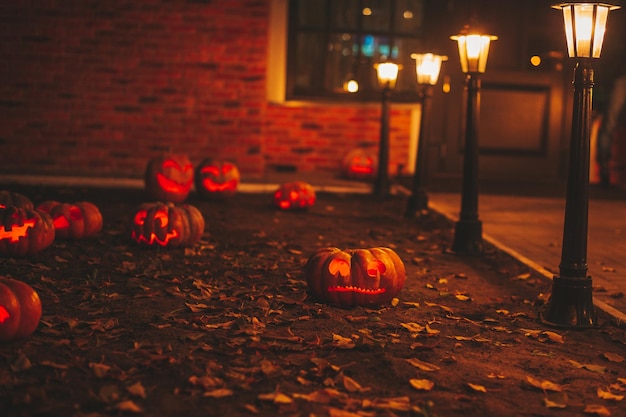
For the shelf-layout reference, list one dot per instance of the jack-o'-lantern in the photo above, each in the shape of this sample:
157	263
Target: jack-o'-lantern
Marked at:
216	178
355	277
20	309
24	231
360	164
169	178
297	195
73	220
167	225
10	198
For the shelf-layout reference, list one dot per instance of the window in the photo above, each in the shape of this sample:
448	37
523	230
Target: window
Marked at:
334	44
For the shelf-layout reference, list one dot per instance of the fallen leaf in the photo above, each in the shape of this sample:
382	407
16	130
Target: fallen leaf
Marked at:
276	398
351	385
613	357
543	384
337	412
99	369
422	366
607	395
413	327
590	367
137	390
422	384
477	388
598	410
555	400
218	393
129	406
554	337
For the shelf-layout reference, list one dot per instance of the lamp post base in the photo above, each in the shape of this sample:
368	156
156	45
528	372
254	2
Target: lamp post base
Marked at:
468	237
418	202
571	304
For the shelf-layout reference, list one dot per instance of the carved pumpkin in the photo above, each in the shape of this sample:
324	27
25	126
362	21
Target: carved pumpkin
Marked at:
360	164
20	309
166	224
169	178
295	195
73	220
216	178
10	198
24	231
355	277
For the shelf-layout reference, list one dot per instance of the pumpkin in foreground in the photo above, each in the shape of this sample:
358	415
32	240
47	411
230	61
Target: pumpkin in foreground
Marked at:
20	309
355	277
167	225
24	231
73	220
215	178
169	178
297	195
10	198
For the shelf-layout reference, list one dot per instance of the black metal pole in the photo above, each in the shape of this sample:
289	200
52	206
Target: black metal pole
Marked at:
418	201
468	231
382	184
571	302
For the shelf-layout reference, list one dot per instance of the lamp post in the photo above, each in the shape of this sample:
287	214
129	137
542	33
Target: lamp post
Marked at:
387	73
427	67
473	51
571	301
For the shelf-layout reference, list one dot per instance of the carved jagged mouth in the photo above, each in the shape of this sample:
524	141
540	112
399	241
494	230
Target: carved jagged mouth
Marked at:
356	290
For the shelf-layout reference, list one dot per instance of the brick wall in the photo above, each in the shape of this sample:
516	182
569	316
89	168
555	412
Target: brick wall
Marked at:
96	88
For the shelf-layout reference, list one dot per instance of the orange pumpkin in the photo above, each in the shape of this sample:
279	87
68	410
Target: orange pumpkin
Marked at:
20	309
24	231
10	198
73	220
216	178
360	164
169	178
355	277
167	225
295	195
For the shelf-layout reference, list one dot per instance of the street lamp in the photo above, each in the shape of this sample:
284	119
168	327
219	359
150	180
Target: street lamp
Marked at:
427	67
571	301
387	73
473	52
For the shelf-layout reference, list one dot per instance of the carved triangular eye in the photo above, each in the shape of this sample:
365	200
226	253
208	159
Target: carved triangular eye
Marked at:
376	268
161	216
339	267
140	217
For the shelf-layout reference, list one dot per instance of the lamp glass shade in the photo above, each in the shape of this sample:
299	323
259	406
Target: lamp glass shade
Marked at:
427	67
585	24
473	51
387	74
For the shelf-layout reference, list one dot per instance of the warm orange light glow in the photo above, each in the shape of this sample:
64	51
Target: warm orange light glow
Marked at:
585	24
535	60
351	86
427	67
4	314
473	51
17	231
387	74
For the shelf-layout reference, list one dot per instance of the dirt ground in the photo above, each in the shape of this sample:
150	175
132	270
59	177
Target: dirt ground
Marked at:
226	328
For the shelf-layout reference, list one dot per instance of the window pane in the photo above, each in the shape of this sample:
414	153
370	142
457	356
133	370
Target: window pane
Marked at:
376	15
344	15
409	16
342	61
308	58
312	13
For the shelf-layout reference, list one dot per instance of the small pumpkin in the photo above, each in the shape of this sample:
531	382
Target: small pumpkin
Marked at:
73	220
167	225
295	195
10	198
360	164
24	231
216	178
20	309
169	178
355	277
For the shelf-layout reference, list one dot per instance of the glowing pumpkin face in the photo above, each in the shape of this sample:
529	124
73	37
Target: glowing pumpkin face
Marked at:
164	224
20	309
355	277
216	178
296	195
169	178
360	163
73	221
24	231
